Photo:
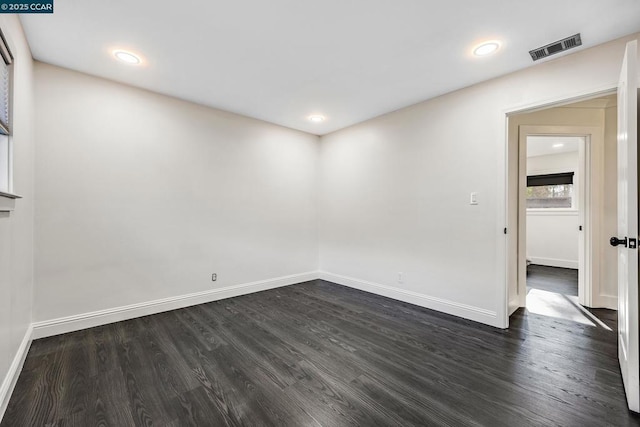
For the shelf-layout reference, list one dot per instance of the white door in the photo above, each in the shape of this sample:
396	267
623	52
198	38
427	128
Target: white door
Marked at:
627	237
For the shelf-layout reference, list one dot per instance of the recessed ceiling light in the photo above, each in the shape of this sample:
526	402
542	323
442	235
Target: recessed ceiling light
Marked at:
128	57
486	48
316	118
558	145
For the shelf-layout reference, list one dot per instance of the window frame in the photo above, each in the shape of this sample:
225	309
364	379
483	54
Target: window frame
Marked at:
574	197
6	129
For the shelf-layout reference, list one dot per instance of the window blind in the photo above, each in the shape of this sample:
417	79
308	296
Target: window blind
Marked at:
550	179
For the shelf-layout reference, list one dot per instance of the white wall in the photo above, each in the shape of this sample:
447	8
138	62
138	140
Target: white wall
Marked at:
143	197
553	163
552	236
395	189
16	228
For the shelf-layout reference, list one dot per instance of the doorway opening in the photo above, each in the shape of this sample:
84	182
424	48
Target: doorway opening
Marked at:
555	194
564	180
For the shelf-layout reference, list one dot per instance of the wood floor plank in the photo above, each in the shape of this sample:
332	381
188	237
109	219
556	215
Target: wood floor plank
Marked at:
319	354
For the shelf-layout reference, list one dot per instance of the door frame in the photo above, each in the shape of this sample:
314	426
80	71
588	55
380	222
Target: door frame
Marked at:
587	207
508	246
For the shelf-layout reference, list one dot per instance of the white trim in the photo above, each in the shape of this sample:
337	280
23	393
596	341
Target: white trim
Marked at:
606	301
465	311
554	262
562	100
13	373
513	305
552	212
503	268
78	322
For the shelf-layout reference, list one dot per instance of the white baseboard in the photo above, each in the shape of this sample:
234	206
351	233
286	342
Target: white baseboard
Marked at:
553	262
78	322
514	304
606	301
476	314
10	380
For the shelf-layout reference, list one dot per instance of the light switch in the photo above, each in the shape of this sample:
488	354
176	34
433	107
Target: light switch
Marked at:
473	200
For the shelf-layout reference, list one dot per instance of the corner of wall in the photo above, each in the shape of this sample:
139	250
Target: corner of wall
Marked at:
13	373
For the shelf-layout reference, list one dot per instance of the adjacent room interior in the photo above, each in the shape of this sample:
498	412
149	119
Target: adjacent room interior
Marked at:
554	211
285	214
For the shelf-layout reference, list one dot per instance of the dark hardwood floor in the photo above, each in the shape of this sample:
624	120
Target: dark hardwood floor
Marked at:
553	279
321	354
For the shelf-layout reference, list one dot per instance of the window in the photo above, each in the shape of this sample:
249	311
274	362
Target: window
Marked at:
6	61
550	191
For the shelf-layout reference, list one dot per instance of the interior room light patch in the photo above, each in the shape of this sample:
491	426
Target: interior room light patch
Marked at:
127	57
486	48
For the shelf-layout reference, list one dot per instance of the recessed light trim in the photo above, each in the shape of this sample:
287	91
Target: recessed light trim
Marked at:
486	48
316	118
559	145
127	57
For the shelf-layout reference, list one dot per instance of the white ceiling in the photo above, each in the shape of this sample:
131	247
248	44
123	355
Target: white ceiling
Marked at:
544	145
282	60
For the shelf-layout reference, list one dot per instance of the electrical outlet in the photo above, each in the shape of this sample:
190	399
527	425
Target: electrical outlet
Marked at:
214	277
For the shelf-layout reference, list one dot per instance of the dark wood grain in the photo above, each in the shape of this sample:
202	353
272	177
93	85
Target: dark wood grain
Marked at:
553	279
319	354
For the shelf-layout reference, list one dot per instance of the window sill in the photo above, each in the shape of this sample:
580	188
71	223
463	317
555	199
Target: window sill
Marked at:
8	201
552	211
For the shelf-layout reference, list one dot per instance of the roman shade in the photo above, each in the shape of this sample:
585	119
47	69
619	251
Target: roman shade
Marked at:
550	179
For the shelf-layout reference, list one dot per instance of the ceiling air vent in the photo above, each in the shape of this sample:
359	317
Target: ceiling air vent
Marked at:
555	47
